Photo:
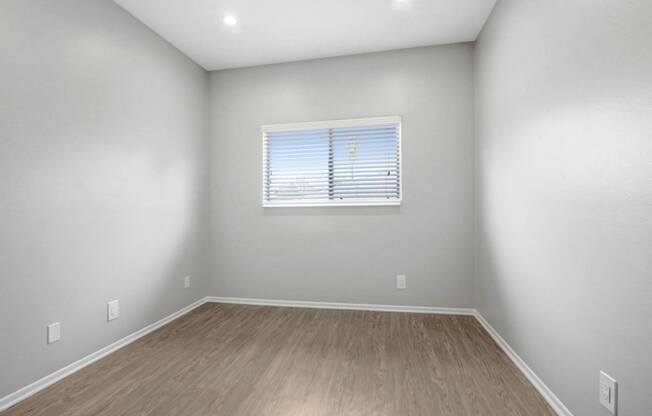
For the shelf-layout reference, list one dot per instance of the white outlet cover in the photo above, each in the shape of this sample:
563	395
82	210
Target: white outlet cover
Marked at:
186	282
608	392
54	332
112	310
401	281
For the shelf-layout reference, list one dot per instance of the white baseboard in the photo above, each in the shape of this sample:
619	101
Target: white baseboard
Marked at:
52	378
344	306
547	394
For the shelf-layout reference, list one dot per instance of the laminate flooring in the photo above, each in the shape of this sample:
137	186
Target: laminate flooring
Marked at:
237	360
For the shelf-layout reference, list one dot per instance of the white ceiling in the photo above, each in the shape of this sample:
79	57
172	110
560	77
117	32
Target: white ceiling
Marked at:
271	31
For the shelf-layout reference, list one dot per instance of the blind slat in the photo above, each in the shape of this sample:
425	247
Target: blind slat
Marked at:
317	140
339	181
326	195
338	173
358	131
316	150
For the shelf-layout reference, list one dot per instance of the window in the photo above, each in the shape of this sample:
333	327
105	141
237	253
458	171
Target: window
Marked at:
344	162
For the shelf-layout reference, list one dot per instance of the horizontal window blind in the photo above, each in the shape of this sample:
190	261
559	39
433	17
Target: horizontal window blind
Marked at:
344	162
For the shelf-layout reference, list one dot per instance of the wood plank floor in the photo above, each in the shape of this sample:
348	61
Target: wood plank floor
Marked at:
237	360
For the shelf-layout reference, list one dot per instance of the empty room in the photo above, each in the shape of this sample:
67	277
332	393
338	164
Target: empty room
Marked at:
326	207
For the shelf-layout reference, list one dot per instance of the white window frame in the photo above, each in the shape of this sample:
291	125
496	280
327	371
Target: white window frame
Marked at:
334	124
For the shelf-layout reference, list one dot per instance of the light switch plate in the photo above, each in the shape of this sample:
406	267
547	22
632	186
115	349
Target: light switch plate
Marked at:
608	392
401	281
112	310
54	332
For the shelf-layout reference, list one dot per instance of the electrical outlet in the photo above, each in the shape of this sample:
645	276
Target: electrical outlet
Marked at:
54	332
608	392
401	281
186	282
112	310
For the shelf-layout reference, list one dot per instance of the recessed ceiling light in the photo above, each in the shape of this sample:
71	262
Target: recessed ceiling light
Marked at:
230	20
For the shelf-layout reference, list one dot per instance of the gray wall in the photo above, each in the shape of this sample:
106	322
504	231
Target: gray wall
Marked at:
343	254
564	255
102	180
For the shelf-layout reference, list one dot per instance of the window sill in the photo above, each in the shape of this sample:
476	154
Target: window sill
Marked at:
333	204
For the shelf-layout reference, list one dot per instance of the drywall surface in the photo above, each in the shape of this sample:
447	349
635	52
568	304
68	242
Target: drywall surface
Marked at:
348	254
102	180
564	254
